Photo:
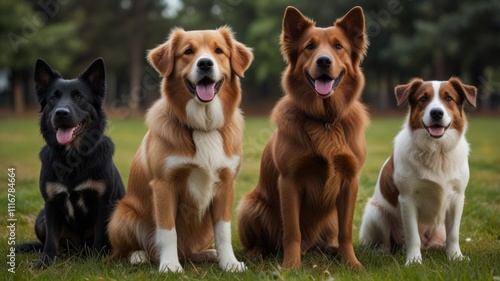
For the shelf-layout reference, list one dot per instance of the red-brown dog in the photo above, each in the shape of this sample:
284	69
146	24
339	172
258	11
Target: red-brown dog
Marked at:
308	182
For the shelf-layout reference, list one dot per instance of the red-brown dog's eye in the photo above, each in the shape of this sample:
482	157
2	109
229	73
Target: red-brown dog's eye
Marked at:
310	46
338	46
188	51
423	99
218	51
448	99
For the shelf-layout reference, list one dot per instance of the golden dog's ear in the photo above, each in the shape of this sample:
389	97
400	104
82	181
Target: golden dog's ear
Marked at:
466	91
293	28
353	24
241	55
162	58
403	92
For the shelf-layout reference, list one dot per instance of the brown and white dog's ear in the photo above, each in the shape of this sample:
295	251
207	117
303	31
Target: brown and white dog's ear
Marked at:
466	91
403	92
354	25
241	55
293	28
162	58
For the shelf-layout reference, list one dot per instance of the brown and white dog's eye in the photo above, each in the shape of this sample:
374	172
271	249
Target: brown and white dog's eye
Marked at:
338	46
448	99
423	99
219	51
310	46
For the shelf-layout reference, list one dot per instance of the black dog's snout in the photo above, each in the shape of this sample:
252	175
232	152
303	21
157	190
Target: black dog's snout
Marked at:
324	62
62	113
205	64
437	113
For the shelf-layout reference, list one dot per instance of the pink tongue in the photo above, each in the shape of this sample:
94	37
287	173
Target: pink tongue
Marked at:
205	92
323	87
64	136
436	131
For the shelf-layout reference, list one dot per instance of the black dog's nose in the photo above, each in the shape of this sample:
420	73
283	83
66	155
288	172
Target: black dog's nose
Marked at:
62	113
324	62
205	64
437	113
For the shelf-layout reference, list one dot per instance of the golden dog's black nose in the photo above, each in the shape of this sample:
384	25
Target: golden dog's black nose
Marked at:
205	64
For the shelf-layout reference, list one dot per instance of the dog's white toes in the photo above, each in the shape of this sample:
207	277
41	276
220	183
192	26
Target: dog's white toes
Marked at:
138	257
166	267
233	267
414	260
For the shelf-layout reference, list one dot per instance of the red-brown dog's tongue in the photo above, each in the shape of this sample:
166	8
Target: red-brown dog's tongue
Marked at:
64	136
323	87
436	131
205	92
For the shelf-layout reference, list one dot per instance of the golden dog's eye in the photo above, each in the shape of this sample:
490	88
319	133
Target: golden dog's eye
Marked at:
338	46
423	99
218	51
448	99
188	51
310	46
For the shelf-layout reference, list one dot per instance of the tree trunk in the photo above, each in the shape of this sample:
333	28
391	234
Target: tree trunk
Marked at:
18	91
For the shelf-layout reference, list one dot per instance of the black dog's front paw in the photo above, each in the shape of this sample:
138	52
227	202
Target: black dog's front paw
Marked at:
42	263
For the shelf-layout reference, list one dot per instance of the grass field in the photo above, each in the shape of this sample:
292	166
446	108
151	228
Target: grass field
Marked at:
20	142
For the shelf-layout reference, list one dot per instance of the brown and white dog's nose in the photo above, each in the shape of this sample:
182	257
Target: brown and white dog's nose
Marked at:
205	64
324	62
437	113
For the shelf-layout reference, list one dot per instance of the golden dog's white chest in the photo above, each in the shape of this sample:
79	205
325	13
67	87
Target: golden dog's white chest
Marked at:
204	167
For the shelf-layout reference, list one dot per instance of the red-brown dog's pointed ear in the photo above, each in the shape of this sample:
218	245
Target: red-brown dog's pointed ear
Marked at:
403	92
295	23
353	24
241	56
466	91
293	28
162	57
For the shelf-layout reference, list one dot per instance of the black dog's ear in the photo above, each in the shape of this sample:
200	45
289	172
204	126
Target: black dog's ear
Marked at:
44	75
95	76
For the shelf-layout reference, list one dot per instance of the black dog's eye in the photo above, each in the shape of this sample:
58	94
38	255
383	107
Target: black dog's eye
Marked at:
78	97
423	99
53	98
338	46
188	51
310	46
448	99
218	51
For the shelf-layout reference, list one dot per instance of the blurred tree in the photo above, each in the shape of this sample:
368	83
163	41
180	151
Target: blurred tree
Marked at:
27	36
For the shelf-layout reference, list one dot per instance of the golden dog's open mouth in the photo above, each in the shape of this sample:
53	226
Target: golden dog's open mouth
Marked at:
324	85
205	89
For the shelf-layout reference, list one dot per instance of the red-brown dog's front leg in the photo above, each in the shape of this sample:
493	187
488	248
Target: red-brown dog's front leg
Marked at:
290	214
346	201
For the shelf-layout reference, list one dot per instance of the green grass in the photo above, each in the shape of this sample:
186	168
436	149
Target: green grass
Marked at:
20	142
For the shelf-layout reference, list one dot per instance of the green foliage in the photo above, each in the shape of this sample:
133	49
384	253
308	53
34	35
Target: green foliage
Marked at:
27	34
20	142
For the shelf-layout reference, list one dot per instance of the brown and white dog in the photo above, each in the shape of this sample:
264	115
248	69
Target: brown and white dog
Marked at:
419	195
181	186
308	183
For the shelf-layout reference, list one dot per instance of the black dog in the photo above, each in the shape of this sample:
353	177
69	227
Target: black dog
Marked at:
78	180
